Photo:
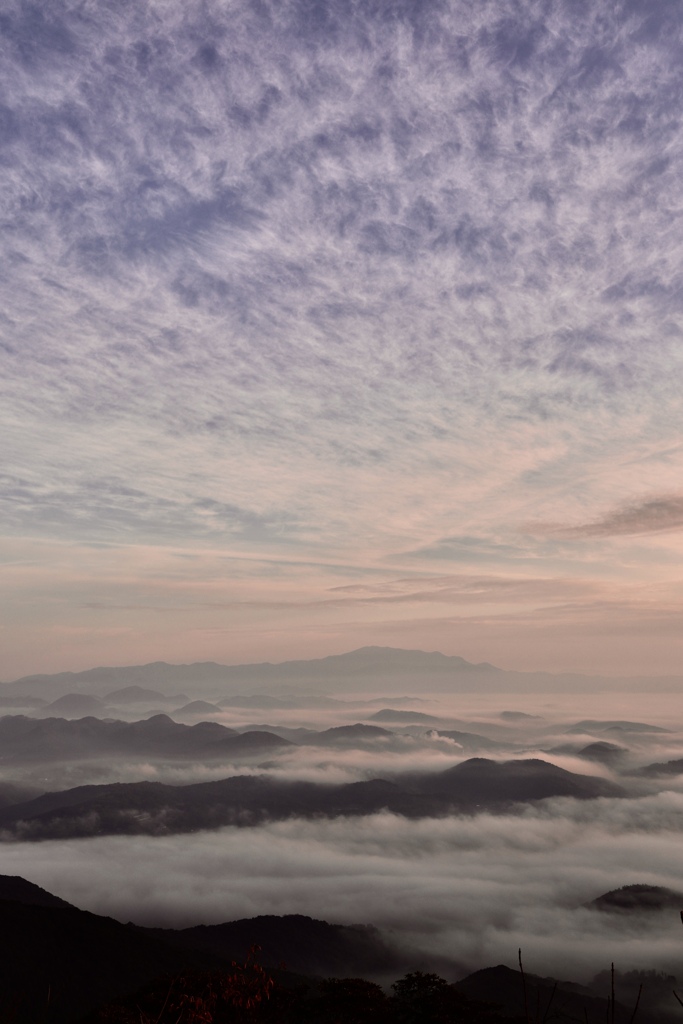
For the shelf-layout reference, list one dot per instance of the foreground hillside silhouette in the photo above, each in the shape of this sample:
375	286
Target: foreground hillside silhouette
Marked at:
62	965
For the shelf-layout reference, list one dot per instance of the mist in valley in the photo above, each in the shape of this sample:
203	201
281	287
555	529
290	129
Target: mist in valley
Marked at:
460	890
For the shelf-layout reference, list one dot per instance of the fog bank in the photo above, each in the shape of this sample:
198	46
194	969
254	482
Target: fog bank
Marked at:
470	889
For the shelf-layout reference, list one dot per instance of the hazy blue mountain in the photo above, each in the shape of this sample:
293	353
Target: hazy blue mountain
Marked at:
30	740
197	707
260	701
350	734
351	672
404	717
596	726
74	705
366	662
21	701
139	695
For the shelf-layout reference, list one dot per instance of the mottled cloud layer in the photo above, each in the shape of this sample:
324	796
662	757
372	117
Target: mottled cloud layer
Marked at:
296	294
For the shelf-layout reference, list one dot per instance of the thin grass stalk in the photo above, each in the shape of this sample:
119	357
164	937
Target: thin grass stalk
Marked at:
526	1000
550	1003
635	1008
612	974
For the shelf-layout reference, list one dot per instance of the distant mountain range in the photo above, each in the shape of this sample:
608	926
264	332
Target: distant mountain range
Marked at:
359	670
152	808
41	740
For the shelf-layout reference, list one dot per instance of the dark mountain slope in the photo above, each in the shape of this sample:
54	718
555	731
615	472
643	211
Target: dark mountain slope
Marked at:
151	808
661	768
603	752
566	1002
60	963
14	887
635	899
53	953
480	780
73	961
302	944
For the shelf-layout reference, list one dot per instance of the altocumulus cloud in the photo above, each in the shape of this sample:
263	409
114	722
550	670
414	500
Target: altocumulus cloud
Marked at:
337	281
231	223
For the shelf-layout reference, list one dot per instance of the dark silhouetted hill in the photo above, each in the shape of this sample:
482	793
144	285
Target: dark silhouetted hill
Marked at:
151	808
638	898
72	961
14	887
603	752
56	956
303	944
60	964
661	768
546	998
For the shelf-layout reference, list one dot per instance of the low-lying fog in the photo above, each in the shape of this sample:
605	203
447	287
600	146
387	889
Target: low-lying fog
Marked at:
470	889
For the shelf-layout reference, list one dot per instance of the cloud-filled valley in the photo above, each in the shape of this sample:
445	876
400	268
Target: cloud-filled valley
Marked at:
456	877
465	890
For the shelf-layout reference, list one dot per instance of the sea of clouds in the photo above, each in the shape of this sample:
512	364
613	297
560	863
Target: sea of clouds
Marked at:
465	890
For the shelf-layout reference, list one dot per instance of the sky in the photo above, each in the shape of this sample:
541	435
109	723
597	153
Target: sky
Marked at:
325	324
